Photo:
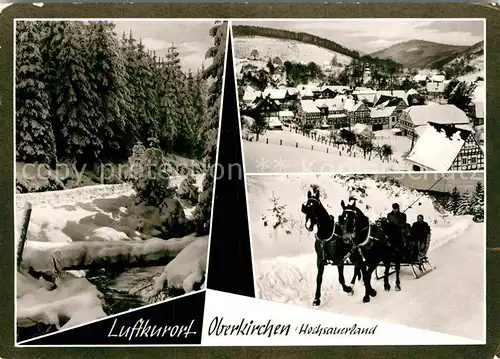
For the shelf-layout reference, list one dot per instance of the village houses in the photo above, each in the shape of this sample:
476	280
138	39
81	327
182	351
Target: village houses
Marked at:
334	107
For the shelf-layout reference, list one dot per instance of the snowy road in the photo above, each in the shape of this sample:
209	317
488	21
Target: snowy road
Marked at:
449	299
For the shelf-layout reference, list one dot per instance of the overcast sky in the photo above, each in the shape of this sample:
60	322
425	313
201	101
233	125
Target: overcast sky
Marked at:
190	37
368	36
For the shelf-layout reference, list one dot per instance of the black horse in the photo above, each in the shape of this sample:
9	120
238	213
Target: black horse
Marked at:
330	246
376	243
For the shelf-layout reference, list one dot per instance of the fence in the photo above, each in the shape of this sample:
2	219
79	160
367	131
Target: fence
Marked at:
326	145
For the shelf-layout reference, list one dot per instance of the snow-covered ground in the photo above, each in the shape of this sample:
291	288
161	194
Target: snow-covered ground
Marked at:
286	50
97	214
478	63
285	261
271	157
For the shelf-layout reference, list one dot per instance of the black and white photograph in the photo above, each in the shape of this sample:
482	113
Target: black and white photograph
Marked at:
116	135
406	248
361	95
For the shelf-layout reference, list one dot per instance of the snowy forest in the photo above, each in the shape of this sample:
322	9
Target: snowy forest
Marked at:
88	97
466	203
84	94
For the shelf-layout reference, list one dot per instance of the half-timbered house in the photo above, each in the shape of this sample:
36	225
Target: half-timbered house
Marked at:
383	117
444	147
413	119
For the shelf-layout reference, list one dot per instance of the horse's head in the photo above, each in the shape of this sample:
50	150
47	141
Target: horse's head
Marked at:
350	218
312	208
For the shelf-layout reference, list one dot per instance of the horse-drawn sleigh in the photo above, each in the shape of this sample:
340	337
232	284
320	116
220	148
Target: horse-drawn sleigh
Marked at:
354	240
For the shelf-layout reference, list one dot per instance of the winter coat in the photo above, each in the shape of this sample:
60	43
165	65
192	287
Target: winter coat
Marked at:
398	218
420	230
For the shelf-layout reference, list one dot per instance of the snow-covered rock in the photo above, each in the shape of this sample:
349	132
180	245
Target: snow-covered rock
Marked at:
76	300
186	269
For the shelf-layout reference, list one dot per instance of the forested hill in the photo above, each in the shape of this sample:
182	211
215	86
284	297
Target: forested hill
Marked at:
248	30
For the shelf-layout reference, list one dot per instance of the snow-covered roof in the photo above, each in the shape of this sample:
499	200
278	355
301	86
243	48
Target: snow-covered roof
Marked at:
438	146
363	90
412	92
382	110
361	129
445	114
337	115
420	77
285	113
333	104
435	86
250	94
438	78
336	88
393	93
306	93
275	122
351	105
420	130
309	106
365	94
275	94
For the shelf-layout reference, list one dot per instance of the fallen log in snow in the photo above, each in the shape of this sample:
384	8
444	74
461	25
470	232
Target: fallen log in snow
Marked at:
93	255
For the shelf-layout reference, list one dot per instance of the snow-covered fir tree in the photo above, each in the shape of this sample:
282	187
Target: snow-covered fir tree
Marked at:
76	101
209	129
477	201
110	81
453	201
464	204
34	135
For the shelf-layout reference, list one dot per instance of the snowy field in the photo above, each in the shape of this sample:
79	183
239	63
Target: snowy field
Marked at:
92	220
286	50
271	157
285	261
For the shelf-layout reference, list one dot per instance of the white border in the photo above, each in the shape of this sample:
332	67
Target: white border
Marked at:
20	344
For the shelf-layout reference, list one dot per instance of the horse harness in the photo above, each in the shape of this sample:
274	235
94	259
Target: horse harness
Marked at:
357	247
323	241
